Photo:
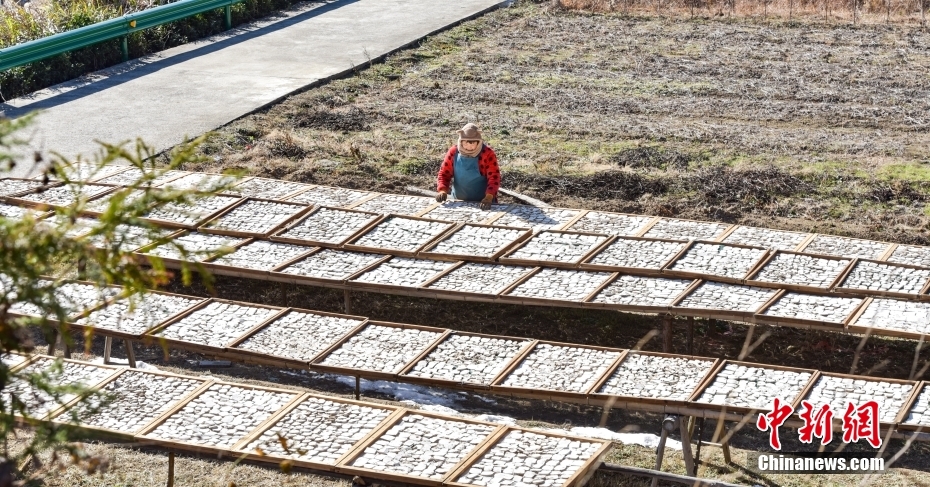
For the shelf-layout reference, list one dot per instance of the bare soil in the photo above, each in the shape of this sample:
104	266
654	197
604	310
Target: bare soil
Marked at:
794	126
786	125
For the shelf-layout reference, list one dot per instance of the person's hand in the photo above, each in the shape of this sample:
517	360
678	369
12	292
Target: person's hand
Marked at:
441	196
486	202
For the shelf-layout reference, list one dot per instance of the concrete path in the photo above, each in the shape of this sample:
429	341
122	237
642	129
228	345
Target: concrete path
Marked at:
192	89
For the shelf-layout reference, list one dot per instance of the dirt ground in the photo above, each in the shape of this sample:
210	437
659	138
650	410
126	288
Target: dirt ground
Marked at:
794	126
786	125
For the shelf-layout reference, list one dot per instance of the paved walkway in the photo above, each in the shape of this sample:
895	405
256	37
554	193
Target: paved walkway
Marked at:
192	89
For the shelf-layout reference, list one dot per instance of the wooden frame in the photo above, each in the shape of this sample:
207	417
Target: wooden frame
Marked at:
852	327
155	333
127	169
603	398
77	314
920	294
363	286
110	332
493	214
146	434
894	248
715	313
281	414
498	387
317	363
428	253
283	197
909	404
433	204
27	359
690	274
352	245
212	264
751	279
559	227
14	195
129	435
350	204
142	252
646	229
193	226
505	295
344	465
709	379
184	226
66	405
426	290
649	219
594	250
802	248
429	381
587	265
279	236
762	318
96	214
905	404
41	206
578	479
639	308
207	226
276	274
269	359
806	236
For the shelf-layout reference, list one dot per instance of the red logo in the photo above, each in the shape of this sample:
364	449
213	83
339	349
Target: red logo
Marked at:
861	422
772	420
858	423
817	424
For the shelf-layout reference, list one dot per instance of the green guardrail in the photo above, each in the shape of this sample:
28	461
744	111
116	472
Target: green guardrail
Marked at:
119	27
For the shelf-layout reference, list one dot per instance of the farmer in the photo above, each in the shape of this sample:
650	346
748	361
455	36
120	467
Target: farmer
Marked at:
469	170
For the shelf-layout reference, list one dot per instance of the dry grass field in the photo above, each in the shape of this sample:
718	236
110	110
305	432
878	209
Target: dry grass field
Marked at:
801	126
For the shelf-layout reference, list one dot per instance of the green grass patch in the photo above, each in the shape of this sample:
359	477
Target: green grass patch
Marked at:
916	171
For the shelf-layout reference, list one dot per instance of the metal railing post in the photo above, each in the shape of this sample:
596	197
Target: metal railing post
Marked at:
124	44
228	11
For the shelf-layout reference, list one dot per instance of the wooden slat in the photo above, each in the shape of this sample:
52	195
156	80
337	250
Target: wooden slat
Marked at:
475	455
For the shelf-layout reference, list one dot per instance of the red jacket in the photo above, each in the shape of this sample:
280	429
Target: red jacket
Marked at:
487	166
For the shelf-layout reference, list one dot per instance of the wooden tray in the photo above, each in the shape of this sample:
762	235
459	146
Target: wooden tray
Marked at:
587	265
709	379
109	332
603	399
498	387
405	372
691	274
428	252
267	358
326	467
752	278
345	467
509	259
352	245
280	237
206	226
220	451
920	295
154	332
